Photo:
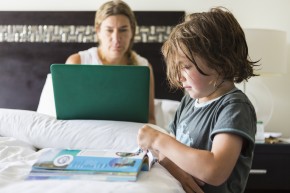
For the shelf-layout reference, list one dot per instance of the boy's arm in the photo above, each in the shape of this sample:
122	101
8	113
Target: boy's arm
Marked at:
188	183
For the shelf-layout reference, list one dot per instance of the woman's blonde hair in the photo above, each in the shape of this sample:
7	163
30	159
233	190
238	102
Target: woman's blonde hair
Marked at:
117	7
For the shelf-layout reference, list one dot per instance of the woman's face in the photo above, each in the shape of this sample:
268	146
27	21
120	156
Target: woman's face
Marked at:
114	35
196	84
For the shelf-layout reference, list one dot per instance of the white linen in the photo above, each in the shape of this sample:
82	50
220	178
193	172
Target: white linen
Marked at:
16	158
44	131
46	103
164	111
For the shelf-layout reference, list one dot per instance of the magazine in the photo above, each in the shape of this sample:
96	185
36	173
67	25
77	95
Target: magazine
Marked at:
91	164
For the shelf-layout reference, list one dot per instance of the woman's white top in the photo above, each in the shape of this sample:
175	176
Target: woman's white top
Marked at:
91	56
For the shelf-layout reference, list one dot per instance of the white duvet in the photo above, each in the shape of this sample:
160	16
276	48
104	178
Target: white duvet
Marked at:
16	158
21	132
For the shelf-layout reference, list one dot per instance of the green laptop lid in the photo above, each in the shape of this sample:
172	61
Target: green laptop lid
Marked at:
101	92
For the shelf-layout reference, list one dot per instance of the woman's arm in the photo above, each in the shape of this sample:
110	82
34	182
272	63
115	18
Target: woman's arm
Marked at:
151	97
73	59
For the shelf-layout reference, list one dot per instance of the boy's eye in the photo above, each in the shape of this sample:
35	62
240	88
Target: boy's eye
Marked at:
186	67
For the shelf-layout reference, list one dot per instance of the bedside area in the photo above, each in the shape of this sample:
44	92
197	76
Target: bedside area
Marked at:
271	169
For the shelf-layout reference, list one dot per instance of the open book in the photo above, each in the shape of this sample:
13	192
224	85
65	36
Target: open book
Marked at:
91	165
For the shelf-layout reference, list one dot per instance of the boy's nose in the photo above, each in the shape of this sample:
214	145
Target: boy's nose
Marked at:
181	78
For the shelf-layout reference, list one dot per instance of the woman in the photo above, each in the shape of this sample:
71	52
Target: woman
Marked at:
115	26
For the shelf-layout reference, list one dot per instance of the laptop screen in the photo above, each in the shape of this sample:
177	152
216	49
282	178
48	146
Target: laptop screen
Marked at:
101	92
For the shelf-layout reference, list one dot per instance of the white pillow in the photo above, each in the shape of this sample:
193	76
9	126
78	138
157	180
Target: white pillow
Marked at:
44	131
169	108
46	103
158	112
165	111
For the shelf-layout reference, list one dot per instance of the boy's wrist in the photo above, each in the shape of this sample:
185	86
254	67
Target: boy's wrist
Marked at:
158	141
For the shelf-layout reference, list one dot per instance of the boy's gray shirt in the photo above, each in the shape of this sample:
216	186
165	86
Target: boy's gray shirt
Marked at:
196	125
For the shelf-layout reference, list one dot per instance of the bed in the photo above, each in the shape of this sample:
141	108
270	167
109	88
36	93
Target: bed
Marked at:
29	43
25	134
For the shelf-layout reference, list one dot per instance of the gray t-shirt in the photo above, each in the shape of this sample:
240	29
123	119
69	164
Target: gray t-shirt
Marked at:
196	125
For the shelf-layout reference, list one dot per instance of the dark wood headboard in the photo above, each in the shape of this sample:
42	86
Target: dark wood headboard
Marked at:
31	41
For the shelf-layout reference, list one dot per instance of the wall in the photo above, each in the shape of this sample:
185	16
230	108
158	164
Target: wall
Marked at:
271	14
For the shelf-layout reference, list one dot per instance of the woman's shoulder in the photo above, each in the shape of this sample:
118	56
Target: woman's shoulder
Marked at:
73	59
89	56
140	59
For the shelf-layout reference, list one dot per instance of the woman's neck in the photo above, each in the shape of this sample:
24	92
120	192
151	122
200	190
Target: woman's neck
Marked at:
107	60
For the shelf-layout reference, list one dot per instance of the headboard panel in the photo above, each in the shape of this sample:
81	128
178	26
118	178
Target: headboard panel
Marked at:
31	41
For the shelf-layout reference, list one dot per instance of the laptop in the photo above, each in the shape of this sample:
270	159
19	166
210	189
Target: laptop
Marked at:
101	92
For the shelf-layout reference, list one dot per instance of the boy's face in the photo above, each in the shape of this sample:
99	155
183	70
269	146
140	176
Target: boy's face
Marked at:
114	35
196	84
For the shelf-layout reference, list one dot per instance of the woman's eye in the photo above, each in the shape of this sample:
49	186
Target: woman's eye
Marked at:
109	30
123	30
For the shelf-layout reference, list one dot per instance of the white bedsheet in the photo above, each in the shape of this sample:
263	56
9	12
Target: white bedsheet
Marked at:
16	158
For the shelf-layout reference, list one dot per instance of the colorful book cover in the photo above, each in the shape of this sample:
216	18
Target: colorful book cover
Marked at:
91	164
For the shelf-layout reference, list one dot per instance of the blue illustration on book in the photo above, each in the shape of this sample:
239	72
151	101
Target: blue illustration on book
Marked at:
91	164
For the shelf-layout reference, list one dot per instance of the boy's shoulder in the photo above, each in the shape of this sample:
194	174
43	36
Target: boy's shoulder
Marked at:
235	96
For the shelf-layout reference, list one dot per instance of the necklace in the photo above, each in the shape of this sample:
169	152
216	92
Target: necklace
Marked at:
216	88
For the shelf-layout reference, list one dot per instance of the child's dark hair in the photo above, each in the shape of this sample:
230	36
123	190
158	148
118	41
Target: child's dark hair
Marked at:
218	38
